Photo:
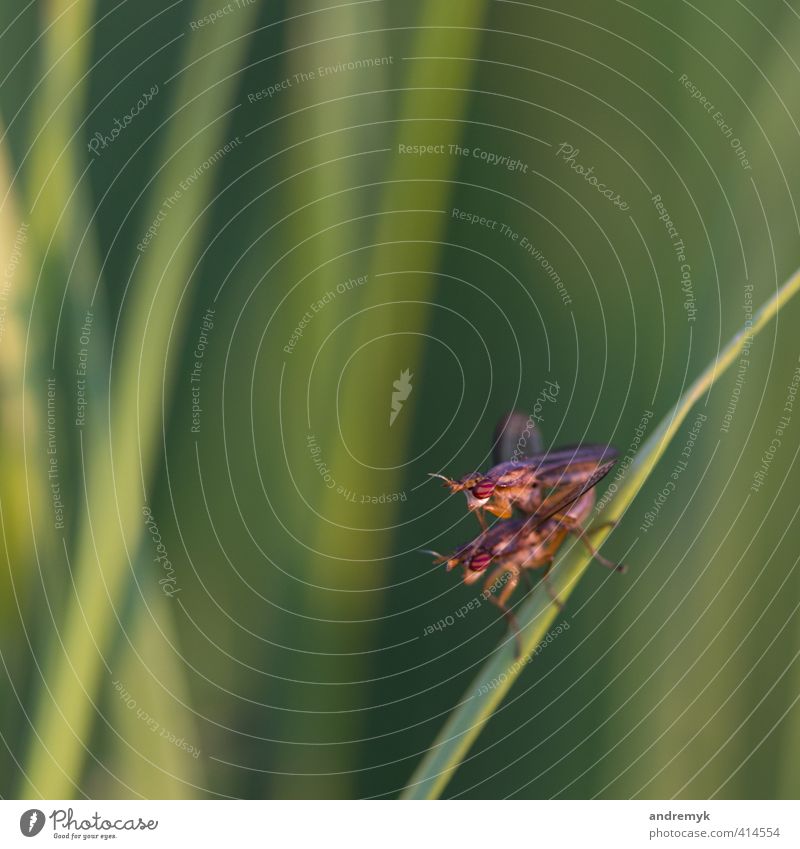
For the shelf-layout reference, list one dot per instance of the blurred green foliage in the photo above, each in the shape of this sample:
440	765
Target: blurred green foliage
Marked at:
293	655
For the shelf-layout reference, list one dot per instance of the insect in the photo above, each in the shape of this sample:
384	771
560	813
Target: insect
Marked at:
505	539
525	483
516	436
515	546
555	491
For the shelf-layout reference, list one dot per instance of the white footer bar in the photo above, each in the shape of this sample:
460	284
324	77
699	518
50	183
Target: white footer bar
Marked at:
404	825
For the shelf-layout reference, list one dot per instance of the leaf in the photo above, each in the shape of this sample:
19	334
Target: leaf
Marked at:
537	614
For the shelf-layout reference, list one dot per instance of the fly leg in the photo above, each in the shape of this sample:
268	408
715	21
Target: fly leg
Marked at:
527	576
549	587
500	602
577	530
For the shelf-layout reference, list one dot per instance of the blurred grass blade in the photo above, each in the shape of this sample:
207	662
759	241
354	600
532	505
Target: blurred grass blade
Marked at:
154	735
58	194
16	387
443	29
26	524
112	525
537	614
318	230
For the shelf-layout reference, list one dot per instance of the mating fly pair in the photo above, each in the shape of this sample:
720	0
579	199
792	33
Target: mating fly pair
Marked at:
554	493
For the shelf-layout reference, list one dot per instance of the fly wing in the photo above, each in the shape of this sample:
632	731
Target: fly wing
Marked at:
572	466
502	536
505	535
515	436
569	454
563	497
554	468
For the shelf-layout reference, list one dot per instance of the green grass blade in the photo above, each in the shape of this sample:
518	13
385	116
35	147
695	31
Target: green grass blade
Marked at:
112	525
537	614
443	29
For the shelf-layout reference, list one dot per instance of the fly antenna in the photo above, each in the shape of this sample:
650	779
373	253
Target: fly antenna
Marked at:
439	558
454	486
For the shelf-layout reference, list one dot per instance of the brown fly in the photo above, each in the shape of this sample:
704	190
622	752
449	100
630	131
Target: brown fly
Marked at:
526	483
555	491
510	548
568	506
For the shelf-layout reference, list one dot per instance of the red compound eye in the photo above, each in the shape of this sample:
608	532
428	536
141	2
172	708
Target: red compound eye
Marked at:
483	489
480	561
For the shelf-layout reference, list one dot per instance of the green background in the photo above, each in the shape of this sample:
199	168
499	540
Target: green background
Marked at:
293	656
